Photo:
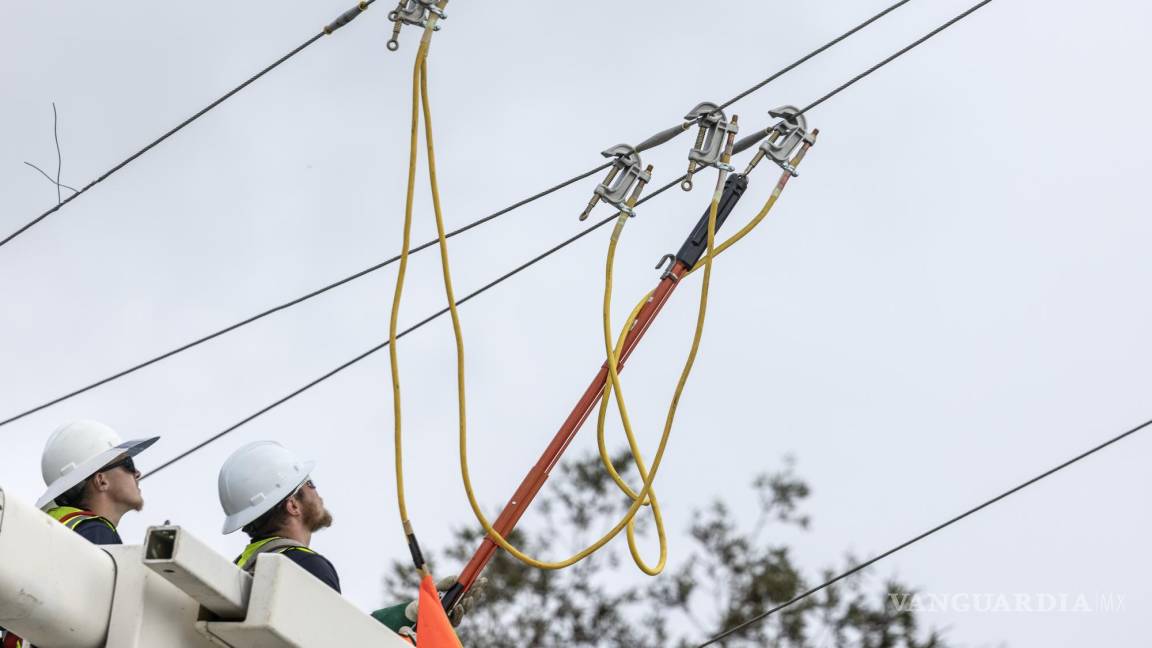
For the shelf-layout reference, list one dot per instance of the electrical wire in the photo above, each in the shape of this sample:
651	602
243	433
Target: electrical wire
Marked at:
895	56
610	387
647	494
378	266
492	284
228	95
293	302
819	50
457	331
760	617
579	235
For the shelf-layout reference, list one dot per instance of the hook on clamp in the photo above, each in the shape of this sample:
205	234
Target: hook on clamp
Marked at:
784	137
412	12
627	170
668	260
709	147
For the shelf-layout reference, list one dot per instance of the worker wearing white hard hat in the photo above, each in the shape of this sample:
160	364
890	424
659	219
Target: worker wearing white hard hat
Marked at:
92	482
268	491
91	479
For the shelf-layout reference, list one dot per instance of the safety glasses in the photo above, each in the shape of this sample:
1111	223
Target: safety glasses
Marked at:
126	463
309	483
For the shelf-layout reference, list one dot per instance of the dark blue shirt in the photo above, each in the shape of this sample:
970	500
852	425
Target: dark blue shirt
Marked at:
98	532
315	564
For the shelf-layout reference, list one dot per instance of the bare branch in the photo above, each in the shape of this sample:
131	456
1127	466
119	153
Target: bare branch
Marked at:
59	159
72	189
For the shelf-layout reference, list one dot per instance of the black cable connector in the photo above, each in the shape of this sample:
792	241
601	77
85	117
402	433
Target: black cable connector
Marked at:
697	243
414	548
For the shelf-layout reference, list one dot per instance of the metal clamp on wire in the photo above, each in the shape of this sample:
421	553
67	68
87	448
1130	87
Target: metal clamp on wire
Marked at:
782	139
627	170
413	12
709	147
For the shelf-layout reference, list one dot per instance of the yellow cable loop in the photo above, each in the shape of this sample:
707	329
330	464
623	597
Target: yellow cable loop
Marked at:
614	381
646	495
401	274
600	422
465	474
421	75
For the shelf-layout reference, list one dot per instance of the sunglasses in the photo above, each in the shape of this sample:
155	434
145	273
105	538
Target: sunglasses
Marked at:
126	463
309	484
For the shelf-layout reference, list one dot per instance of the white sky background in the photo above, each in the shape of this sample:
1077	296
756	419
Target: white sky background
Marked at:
951	298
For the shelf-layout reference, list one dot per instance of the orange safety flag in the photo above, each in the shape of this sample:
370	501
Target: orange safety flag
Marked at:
433	629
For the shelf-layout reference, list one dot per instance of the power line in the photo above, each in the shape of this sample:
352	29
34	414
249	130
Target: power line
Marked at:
895	56
382	264
939	527
292	302
344	19
819	50
347	17
406	331
542	256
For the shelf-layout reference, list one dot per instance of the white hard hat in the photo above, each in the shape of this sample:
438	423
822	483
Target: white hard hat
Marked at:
256	478
78	450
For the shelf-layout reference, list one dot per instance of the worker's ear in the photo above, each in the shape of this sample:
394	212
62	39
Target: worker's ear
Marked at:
100	482
294	507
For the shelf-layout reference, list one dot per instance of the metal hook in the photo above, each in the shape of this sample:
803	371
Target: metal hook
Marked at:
670	261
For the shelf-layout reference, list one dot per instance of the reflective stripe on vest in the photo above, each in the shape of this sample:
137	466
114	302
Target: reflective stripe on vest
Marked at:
73	517
275	544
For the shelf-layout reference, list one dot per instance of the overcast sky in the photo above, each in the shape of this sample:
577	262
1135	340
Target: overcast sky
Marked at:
951	298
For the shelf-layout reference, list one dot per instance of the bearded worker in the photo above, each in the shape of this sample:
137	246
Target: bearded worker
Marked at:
268	492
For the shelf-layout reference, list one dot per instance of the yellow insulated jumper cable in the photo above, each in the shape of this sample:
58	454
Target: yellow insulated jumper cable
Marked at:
645	492
613	353
648	477
461	388
418	86
420	91
420	101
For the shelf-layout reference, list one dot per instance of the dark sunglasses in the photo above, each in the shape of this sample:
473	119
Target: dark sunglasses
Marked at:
126	463
299	488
